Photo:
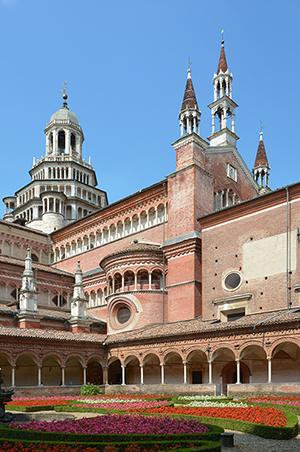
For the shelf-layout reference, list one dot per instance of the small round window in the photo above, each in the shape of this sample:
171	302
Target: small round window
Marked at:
232	281
123	314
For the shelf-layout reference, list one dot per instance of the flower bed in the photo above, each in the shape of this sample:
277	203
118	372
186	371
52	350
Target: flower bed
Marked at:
198	404
268	422
117	432
286	403
121	406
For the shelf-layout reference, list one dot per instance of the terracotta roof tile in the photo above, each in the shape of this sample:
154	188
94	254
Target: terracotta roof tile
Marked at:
197	326
51	335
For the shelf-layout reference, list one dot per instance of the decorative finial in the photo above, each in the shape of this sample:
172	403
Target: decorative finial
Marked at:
222	38
189	69
65	95
261	131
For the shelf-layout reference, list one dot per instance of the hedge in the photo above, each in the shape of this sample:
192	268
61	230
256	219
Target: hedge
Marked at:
265	431
30	409
35	435
183	445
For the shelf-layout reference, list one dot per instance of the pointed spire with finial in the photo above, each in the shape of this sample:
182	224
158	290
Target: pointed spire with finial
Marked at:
189	98
65	96
222	65
261	159
261	169
189	116
79	301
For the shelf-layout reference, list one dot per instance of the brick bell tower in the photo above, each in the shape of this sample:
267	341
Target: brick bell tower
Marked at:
190	194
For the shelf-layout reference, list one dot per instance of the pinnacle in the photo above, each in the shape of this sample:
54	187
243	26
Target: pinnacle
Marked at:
189	98
222	66
261	155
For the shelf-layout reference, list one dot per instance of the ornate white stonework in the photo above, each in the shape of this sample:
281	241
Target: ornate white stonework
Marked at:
63	185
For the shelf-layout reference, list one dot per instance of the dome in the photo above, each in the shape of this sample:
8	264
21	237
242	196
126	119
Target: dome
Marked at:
64	114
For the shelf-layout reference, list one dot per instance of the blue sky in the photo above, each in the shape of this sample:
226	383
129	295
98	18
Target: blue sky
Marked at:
125	63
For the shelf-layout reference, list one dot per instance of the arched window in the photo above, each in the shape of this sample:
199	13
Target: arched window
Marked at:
61	141
34	257
51	142
118	282
157	279
129	280
73	142
143	279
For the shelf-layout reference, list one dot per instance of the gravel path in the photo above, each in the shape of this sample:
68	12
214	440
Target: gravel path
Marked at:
245	442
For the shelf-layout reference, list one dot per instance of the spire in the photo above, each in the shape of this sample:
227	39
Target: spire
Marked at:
65	96
261	159
222	66
189	116
189	98
261	170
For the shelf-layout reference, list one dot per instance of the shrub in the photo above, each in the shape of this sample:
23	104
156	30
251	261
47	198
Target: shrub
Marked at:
90	389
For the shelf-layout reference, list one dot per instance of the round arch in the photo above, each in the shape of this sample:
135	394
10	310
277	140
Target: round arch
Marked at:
197	367
6	367
173	367
152	369
132	370
26	370
94	371
114	371
51	371
73	371
286	362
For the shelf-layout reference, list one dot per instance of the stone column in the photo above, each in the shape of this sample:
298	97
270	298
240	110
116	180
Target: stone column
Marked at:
150	280
105	375
184	373
162	369
210	372
213	127
238	371
63	382
123	375
123	287
135	281
13	376
142	374
269	370
39	376
84	375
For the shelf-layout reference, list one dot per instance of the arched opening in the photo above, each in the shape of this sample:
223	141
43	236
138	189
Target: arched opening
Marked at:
114	372
112	232
73	372
152	372
118	282
119	229
73	142
127	226
151	216
143	220
132	371
173	368
157	280
51	142
286	363
51	372
26	371
142	280
94	372
135	223
221	358
197	367
161	213
61	141
129	280
254	357
6	370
